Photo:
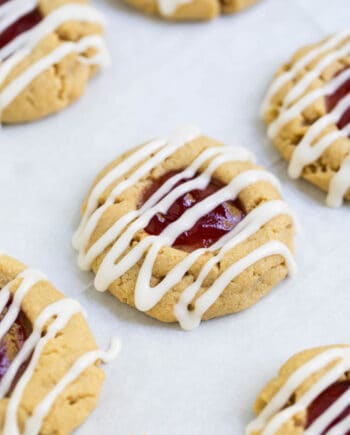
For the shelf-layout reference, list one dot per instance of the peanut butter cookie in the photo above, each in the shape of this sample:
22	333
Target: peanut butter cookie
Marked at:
307	110
185	228
48	51
49	363
310	395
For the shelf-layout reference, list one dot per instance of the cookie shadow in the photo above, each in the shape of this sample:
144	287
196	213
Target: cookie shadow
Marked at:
119	5
123	312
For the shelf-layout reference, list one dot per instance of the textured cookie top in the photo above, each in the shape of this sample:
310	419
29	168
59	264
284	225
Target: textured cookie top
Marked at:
184	228
307	109
45	47
49	378
183	10
311	395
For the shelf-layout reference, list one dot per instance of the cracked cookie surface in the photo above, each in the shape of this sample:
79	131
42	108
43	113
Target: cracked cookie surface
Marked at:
307	113
310	395
185	228
49	50
50	378
188	10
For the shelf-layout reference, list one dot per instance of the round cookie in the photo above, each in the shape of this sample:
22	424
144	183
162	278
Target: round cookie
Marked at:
49	49
49	363
189	10
310	395
307	110
186	228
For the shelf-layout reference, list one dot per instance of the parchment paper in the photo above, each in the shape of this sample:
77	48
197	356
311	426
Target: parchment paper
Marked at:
167	381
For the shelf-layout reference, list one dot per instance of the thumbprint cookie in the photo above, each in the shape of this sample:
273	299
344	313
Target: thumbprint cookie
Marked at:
310	395
185	228
49	49
307	110
190	10
50	377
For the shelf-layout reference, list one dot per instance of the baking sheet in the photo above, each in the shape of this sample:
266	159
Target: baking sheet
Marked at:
167	381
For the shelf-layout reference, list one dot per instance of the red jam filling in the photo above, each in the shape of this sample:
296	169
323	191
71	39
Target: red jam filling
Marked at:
333	99
208	229
26	22
324	401
12	343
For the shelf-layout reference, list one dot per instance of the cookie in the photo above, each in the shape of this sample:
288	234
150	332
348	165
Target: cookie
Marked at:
307	110
310	395
189	10
186	228
50	377
49	49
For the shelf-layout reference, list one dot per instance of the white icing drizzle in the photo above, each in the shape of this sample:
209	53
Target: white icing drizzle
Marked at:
120	235
341	428
20	47
274	415
291	112
312	146
15	12
167	8
339	184
93	213
29	279
313	54
60	313
321	424
34	422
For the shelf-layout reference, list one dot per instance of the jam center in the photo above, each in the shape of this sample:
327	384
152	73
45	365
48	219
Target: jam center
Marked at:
12	343
208	229
324	401
333	99
24	23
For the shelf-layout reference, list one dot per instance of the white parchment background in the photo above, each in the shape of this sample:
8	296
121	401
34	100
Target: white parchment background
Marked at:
164	75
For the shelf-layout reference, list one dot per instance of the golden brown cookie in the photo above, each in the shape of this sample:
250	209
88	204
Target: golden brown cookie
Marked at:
49	49
189	10
50	378
310	395
186	228
307	110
